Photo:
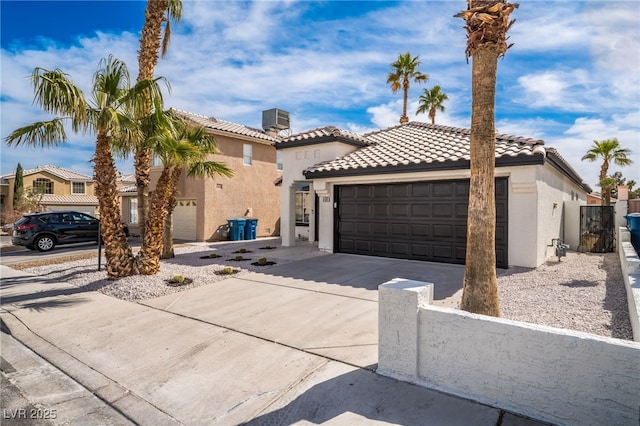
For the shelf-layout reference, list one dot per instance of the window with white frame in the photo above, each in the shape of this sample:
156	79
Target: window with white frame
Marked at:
43	186
279	165
247	154
78	188
133	210
302	204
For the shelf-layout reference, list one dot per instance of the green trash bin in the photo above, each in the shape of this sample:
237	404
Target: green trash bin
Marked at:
236	229
250	229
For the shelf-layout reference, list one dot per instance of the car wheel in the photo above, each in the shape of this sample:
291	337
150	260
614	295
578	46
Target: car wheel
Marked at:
45	243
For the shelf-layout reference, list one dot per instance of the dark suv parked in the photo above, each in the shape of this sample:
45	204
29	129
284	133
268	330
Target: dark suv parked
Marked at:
43	231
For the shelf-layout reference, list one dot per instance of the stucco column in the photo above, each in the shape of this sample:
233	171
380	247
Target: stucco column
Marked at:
398	302
288	215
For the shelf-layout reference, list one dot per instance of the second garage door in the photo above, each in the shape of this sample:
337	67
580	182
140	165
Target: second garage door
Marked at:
417	220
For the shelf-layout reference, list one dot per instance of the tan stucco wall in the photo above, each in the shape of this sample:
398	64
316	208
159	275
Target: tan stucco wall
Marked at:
251	192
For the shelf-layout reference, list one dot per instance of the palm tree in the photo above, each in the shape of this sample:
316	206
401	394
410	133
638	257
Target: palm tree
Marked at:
431	101
405	69
609	151
111	115
150	44
178	146
487	23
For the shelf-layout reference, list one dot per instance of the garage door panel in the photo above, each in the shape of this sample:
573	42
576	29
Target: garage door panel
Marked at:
400	249
443	189
442	210
420	210
442	251
442	231
400	191
421	251
420	189
364	246
380	210
400	229
420	230
380	248
418	220
461	210
400	210
462	189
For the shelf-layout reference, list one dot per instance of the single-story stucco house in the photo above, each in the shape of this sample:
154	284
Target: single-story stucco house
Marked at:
402	192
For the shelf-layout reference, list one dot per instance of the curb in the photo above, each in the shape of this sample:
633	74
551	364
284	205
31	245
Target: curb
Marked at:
103	400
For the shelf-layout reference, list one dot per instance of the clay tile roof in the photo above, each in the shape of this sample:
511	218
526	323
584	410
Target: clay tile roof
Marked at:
322	135
54	170
69	199
218	125
419	145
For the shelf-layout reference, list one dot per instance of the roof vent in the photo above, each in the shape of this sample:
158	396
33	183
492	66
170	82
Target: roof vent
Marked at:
275	119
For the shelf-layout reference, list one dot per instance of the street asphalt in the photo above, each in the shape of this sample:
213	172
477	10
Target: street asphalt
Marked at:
296	344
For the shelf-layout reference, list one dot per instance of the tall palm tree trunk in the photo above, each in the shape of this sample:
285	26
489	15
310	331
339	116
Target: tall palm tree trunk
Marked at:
116	247
147	61
167	236
480	294
148	260
405	99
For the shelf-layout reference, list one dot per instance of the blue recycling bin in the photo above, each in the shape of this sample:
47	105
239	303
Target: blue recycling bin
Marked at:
250	229
633	223
236	229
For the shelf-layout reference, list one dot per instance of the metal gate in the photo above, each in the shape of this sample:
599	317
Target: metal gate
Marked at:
597	229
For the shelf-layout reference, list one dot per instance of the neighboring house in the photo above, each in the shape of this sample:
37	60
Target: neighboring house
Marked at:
128	193
62	189
205	205
595	198
403	192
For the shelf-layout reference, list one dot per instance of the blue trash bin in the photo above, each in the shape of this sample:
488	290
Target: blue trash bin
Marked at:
236	229
250	229
633	223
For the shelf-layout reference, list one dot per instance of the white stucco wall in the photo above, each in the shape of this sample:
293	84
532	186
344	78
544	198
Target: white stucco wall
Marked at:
295	161
536	212
536	200
554	375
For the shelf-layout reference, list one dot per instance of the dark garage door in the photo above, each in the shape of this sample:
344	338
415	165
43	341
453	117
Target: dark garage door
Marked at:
417	220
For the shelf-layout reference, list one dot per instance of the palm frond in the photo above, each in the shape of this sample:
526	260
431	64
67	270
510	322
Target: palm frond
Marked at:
55	93
42	134
209	169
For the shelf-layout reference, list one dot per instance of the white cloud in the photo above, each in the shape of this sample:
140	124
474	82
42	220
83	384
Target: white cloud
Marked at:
232	60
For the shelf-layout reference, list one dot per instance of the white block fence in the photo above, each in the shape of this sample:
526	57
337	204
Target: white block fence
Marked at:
630	263
555	375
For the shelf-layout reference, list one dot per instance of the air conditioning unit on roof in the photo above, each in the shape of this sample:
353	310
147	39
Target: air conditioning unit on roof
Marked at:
275	119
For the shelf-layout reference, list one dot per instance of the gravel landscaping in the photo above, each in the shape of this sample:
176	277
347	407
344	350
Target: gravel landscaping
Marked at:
584	292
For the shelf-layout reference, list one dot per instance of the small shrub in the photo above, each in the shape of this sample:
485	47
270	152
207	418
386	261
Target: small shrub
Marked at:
262	261
227	270
242	250
214	255
238	257
178	279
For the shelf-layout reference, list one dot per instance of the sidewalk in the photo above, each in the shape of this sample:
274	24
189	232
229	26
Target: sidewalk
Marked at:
257	349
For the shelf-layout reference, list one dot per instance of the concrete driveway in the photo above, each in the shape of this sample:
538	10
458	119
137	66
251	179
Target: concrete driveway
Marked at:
294	345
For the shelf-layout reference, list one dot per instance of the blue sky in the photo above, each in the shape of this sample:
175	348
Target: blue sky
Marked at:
572	76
